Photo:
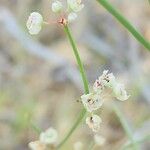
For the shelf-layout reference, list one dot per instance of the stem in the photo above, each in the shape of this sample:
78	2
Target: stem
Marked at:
80	65
85	82
125	23
125	126
81	116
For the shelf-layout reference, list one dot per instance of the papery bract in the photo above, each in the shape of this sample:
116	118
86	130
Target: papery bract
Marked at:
75	5
57	6
94	122
91	101
34	23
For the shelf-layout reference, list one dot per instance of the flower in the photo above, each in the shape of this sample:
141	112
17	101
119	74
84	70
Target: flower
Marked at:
34	23
91	101
120	92
99	140
105	80
75	5
57	6
108	80
94	122
49	136
72	17
78	146
37	145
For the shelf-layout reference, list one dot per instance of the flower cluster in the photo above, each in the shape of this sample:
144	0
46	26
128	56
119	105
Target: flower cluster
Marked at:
35	20
94	100
46	140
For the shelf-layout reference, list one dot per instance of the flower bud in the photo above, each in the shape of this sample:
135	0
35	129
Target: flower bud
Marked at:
120	93
49	136
75	5
94	122
34	23
57	6
72	17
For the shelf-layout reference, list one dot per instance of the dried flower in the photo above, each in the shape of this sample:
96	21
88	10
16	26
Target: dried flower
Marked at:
94	122
78	146
49	136
108	80
120	92
57	6
75	5
37	145
104	80
34	23
91	101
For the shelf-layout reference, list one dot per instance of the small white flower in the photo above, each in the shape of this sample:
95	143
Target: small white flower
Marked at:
120	92
94	122
37	145
91	101
34	23
49	136
78	146
105	80
57	6
72	17
99	140
75	5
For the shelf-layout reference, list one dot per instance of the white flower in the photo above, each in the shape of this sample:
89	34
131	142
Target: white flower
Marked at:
108	80
105	80
75	5
120	92
34	23
57	6
78	146
49	136
37	145
99	140
91	101
72	17
94	122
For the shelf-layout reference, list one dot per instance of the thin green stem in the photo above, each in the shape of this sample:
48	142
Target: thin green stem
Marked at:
75	50
85	82
125	23
81	116
125	126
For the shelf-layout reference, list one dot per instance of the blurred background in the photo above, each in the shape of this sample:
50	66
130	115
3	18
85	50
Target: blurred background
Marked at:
40	82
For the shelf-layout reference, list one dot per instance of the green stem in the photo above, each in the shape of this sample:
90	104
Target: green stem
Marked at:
125	23
125	126
75	50
85	82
